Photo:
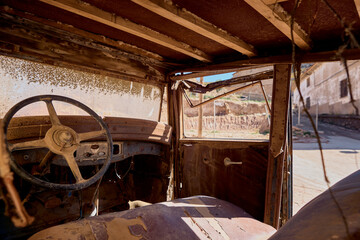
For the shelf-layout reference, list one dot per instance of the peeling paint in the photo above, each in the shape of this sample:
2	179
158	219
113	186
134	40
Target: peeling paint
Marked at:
204	211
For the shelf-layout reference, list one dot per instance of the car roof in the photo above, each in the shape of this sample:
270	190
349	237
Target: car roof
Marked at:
186	35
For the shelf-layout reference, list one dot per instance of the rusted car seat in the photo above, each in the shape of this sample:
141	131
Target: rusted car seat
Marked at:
197	217
321	218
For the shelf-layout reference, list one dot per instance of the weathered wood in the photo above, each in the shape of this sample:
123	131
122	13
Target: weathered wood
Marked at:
171	120
54	32
175	122
357	4
19	41
278	134
270	2
328	56
129	50
186	19
88	11
281	20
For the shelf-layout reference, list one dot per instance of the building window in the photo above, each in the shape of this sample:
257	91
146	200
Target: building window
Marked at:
343	88
308	102
308	82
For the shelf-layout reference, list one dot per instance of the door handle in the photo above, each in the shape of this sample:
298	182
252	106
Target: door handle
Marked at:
228	162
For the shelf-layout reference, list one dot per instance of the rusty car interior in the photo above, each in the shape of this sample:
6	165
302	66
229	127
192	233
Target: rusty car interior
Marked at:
137	176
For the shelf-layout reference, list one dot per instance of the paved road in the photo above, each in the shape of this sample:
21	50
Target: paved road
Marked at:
342	157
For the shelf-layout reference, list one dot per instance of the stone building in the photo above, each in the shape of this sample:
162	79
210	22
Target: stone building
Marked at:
325	90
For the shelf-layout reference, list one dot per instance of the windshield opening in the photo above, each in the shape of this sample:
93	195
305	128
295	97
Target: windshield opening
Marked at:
107	96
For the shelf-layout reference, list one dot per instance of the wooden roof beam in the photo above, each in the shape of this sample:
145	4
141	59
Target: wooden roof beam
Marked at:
88	11
188	20
357	4
270	2
281	20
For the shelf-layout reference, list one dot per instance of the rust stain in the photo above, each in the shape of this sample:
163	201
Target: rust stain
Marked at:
125	228
96	230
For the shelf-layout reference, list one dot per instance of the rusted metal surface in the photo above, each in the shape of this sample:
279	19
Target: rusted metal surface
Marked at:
86	156
278	135
138	130
321	219
146	179
204	172
120	128
190	218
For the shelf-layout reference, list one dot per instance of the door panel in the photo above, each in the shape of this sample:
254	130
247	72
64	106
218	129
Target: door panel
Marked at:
203	172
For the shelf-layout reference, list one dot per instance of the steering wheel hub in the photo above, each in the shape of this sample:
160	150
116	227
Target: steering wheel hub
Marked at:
63	138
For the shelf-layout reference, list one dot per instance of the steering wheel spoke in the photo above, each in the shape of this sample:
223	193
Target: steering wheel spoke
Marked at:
40	143
69	157
52	113
90	135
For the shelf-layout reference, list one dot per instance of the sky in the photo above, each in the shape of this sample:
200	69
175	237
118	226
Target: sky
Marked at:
218	77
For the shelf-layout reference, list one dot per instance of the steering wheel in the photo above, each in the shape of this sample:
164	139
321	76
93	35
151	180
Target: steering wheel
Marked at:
61	140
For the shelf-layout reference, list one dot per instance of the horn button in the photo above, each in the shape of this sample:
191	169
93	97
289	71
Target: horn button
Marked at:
61	139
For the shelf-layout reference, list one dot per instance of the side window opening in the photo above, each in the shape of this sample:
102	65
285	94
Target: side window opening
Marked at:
238	111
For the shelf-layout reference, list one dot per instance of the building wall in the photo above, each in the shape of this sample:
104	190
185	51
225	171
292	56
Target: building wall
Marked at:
324	88
255	90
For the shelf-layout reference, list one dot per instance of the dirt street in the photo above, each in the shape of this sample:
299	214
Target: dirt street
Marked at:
342	157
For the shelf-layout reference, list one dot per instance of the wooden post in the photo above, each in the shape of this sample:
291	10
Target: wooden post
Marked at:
200	111
175	121
278	131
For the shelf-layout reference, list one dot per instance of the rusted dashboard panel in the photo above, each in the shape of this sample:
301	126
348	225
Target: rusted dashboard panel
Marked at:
94	153
120	128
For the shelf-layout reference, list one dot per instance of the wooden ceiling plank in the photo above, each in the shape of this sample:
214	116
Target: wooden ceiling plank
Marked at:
357	4
188	20
136	51
270	2
112	20
276	15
